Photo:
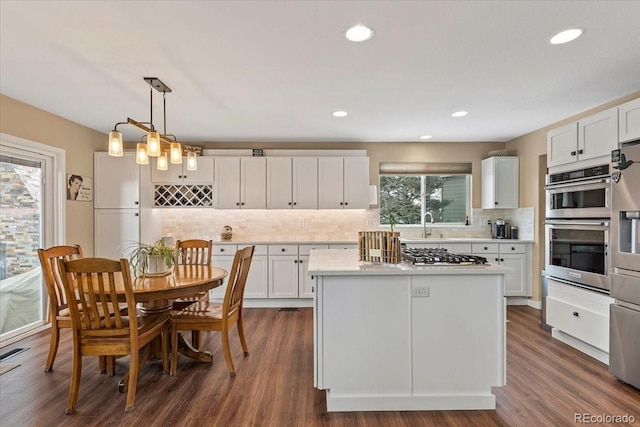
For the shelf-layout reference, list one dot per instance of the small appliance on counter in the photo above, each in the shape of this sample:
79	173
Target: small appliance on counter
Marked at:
500	231
514	232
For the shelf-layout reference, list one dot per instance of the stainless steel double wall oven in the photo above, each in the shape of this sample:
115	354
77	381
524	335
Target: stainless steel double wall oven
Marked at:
577	227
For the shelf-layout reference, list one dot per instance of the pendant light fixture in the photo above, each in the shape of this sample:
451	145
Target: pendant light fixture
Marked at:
163	146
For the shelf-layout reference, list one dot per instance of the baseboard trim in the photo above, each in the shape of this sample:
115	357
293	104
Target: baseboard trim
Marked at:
277	303
535	304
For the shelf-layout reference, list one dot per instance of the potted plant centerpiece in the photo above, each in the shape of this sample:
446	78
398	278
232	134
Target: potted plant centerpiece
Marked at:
155	259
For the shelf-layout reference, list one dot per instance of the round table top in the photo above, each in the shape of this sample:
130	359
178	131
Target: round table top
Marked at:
185	280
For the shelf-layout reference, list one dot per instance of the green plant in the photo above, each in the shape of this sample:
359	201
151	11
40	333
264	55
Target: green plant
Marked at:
392	221
140	255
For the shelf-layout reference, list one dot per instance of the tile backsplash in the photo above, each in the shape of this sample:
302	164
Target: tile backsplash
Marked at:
320	225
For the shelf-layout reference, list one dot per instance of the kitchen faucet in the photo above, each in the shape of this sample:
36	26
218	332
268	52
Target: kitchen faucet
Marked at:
424	224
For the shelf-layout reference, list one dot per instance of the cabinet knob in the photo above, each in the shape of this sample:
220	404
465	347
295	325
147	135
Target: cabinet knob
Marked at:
512	248
237	203
242	204
300	261
496	260
221	249
283	249
501	259
576	314
295	261
137	214
136	202
573	153
341	203
289	203
495	203
486	248
580	151
294	203
346	203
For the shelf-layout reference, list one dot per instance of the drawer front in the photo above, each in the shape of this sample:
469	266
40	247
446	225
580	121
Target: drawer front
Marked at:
456	248
306	249
345	246
581	298
512	248
258	250
484	248
224	249
283	249
590	327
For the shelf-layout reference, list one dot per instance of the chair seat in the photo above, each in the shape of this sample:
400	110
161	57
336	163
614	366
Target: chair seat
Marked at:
199	310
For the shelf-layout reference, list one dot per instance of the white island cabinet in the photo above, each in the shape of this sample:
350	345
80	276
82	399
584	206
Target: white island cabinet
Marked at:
403	338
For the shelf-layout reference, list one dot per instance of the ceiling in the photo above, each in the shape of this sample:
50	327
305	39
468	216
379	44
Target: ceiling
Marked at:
276	70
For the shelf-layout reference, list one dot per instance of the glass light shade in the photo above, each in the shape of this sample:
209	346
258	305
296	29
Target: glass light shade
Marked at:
163	163
115	144
192	161
153	144
176	153
141	154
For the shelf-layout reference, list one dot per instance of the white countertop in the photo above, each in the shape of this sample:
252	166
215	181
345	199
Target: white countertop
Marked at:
345	262
419	240
415	240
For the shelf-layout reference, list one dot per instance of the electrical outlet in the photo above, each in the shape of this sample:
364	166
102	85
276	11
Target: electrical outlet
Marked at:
172	223
243	223
369	222
301	223
420	291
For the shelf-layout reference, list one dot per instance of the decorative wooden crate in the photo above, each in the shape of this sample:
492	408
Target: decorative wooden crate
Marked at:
379	246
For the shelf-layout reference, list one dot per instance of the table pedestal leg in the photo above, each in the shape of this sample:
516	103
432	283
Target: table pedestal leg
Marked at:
185	348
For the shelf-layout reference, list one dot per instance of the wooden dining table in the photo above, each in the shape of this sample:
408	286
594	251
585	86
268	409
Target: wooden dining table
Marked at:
155	295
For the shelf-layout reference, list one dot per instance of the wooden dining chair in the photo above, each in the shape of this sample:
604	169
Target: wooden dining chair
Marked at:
59	314
192	252
207	316
91	295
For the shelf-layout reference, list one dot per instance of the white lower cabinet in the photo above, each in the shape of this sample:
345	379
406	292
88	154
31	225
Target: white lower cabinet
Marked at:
579	313
222	257
512	255
258	278
283	276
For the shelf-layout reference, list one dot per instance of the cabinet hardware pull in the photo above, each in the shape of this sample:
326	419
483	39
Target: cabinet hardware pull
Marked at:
289	203
501	259
346	203
300	261
495	203
496	259
580	151
576	314
485	248
341	203
221	249
283	249
242	203
295	261
512	248
294	203
137	214
573	153
237	203
136	202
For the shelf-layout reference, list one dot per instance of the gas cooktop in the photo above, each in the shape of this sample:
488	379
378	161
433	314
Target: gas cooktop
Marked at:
434	256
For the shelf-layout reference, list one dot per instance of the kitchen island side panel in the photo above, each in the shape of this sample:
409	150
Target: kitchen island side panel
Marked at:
366	335
455	344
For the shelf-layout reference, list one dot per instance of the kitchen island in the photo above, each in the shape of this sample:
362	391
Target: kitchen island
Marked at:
399	337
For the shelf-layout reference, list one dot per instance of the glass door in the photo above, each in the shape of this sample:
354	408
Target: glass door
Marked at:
22	295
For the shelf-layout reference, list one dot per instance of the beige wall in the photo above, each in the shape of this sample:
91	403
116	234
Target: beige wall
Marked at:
79	142
530	148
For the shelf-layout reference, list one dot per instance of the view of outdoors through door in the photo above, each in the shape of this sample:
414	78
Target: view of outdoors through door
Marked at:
21	230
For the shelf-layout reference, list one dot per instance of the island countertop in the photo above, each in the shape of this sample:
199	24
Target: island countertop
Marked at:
324	262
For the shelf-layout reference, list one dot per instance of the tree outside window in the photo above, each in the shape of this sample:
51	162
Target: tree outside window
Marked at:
406	198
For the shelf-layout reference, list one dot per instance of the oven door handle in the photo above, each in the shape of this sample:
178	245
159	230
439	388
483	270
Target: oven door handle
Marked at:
580	185
579	223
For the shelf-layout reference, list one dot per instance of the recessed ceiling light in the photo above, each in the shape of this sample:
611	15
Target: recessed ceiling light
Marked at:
426	137
566	36
459	114
358	33
339	113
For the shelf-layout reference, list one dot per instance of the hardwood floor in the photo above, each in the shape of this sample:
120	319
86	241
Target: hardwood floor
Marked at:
547	384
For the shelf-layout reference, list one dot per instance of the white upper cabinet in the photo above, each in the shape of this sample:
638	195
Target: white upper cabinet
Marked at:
589	140
116	181
629	121
240	183
226	183
562	145
598	135
253	188
343	183
279	183
500	182
305	183
178	174
292	182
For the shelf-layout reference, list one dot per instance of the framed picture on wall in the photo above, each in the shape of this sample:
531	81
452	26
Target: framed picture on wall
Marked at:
79	188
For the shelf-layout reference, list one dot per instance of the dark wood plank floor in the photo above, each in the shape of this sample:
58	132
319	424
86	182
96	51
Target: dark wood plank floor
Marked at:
548	383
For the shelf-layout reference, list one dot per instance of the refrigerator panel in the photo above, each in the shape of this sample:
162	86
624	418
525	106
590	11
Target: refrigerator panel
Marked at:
625	218
624	352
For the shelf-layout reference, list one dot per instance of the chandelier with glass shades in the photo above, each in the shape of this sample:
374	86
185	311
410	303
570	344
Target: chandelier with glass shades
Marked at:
161	145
